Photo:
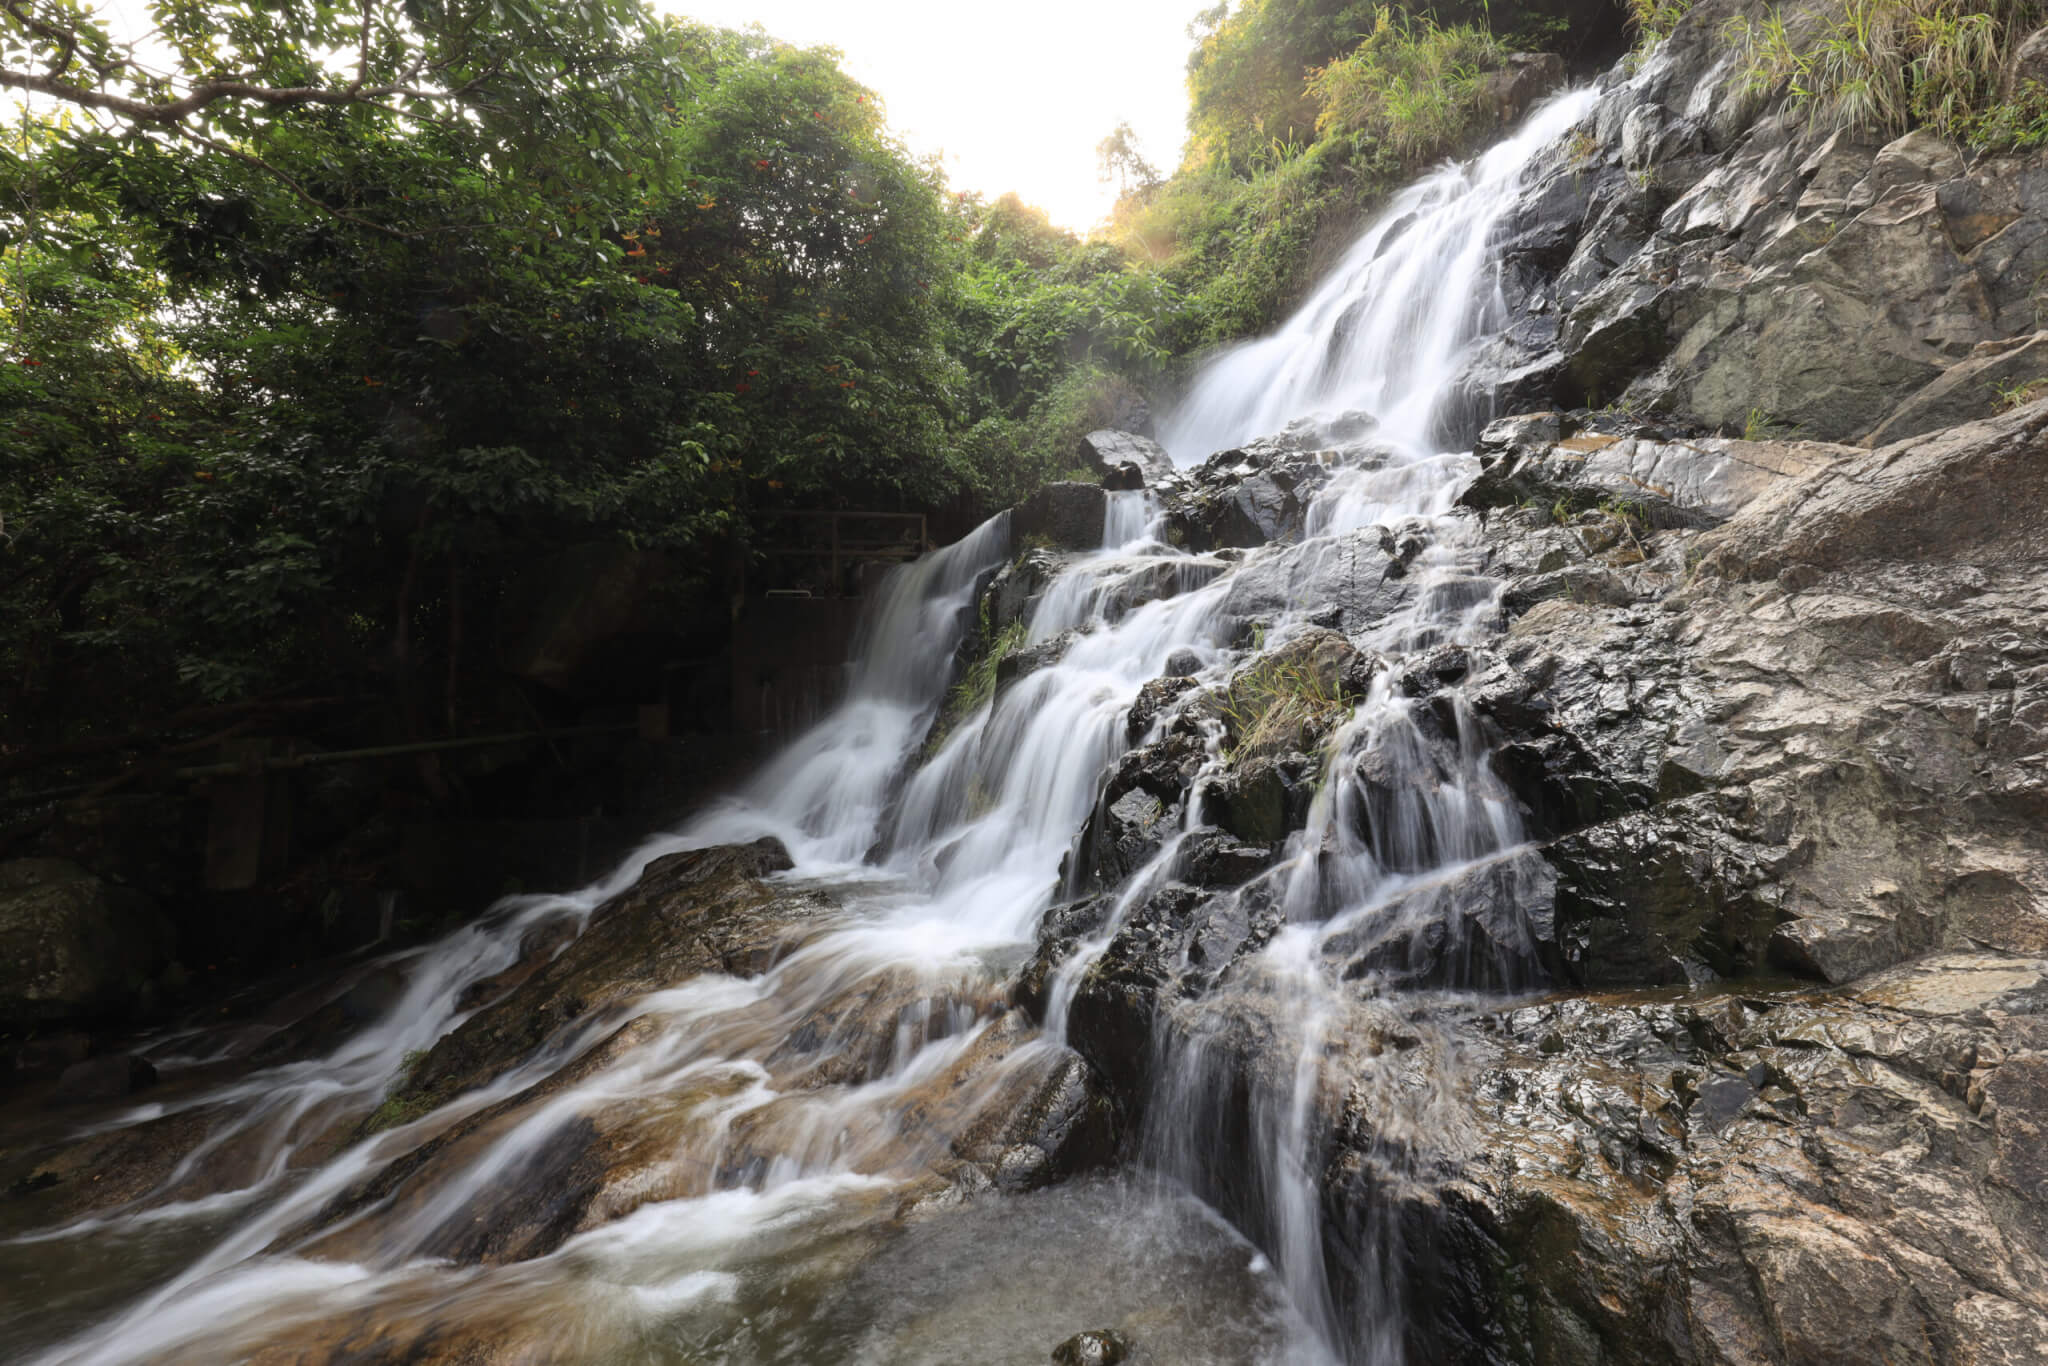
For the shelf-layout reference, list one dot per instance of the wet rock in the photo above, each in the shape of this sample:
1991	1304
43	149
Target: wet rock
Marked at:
1487	927
1782	1175
1111	450
1064	516
106	1078
1128	835
1613	328
1060	932
1994	376
1215	858
1656	897
1712	259
1155	698
1344	575
1248	497
1688	745
74	947
1265	798
1152	579
1063	1126
1097	1347
1017	586
1960	495
1183	662
1020	664
705	910
1112	1019
1164	768
1663	484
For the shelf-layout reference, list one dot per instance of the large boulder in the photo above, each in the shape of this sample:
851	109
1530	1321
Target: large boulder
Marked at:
1110	451
74	947
1253	495
1763	1176
1701	252
1065	516
1995	376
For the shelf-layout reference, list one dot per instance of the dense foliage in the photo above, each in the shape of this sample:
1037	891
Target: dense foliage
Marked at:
325	332
339	319
1891	65
294	386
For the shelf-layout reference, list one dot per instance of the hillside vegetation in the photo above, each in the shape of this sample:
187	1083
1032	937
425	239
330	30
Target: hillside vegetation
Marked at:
301	369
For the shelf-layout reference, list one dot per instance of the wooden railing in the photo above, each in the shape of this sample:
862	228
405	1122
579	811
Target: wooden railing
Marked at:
839	539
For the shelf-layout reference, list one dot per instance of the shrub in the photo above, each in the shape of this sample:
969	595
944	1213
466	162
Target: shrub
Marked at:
1654	19
1411	86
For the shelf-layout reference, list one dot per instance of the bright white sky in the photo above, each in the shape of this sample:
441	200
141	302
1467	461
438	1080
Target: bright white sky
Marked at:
1014	96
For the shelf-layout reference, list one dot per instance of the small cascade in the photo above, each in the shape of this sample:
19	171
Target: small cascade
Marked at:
1411	874
780	1118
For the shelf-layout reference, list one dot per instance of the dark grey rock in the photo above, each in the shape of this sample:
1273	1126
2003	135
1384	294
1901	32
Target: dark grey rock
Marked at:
1097	1347
1110	450
106	1078
1065	516
72	946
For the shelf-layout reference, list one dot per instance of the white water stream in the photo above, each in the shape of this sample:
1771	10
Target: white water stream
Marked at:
763	1163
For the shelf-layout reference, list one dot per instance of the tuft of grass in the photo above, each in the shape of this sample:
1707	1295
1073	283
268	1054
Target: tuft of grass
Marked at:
1653	20
1761	426
977	681
1412	86
1276	704
978	684
398	1108
2012	396
1888	66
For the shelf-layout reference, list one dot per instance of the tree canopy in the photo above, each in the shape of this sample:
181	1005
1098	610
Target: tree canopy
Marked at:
326	322
307	353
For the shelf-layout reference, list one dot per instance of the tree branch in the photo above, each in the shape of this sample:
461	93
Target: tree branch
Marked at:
363	47
65	39
306	196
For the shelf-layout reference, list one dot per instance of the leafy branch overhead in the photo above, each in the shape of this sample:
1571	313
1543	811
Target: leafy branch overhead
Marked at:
524	79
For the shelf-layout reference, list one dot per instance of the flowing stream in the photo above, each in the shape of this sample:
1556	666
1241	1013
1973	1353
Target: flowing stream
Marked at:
780	1125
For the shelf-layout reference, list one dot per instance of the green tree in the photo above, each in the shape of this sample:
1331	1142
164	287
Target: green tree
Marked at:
294	398
1117	158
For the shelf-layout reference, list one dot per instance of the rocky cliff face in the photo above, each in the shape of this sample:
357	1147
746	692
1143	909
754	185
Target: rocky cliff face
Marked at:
1697	253
1773	712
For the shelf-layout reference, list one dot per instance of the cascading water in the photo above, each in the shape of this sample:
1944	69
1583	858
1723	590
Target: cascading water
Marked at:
1385	331
783	1108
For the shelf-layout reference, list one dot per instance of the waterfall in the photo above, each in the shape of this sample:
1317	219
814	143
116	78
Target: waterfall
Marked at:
1385	331
943	864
